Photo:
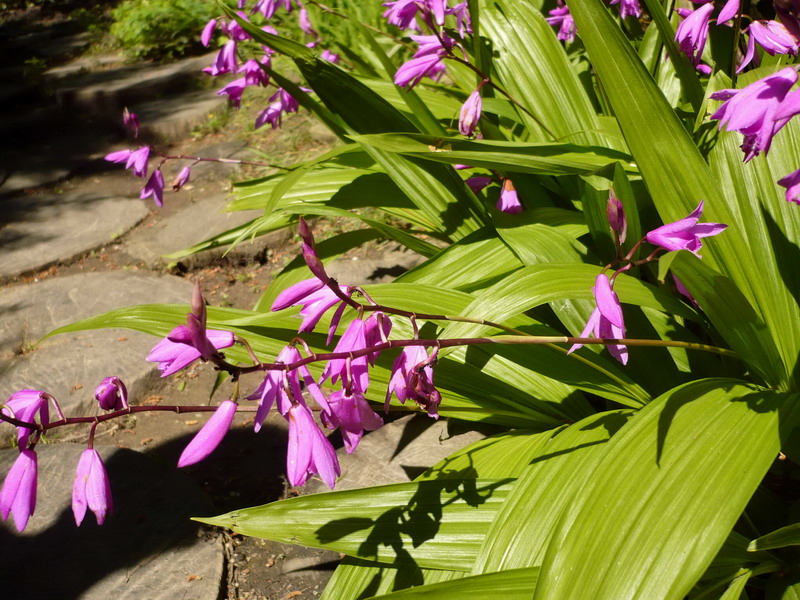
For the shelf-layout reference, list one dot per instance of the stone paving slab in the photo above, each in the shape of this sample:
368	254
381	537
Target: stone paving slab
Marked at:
70	366
147	549
364	271
174	117
39	230
195	223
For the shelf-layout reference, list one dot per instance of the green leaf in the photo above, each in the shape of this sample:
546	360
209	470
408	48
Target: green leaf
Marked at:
512	157
731	314
532	66
516	584
551	482
780	538
670	487
435	524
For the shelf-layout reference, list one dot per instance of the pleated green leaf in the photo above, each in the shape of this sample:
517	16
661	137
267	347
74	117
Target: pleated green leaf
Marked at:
513	157
515	584
670	487
531	64
435	524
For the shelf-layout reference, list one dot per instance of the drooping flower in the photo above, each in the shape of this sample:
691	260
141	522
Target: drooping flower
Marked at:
470	113
268	7
24	406
478	182
136	159
792	184
606	320
728	12
683	291
560	17
412	378
181	179
351	413
354	338
692	32
18	494
309	451
753	110
685	234
616	217
91	488
628	8
208	31
331	57
427	61
509	200
155	188
402	13
377	328
773	37
111	394
210	435
234	90
254	74
225	61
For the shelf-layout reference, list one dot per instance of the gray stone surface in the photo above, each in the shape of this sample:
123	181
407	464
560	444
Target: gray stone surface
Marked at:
147	549
201	220
23	180
359	270
174	117
39	230
397	452
70	366
111	89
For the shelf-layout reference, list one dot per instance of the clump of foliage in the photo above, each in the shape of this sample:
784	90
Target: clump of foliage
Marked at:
160	29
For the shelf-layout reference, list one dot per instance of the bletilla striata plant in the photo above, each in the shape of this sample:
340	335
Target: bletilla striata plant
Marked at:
561	176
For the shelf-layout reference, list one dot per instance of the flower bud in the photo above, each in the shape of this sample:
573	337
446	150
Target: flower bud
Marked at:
616	217
470	113
111	394
91	488
182	179
209	436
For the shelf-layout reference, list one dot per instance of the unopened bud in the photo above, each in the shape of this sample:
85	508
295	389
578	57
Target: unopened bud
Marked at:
616	217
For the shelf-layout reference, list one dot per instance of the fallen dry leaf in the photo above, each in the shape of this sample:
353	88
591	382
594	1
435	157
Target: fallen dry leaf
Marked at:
122	339
146	441
77	387
151	400
193	577
192	422
291	595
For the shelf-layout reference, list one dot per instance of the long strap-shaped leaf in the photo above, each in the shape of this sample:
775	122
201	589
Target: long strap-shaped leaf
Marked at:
515	584
667	493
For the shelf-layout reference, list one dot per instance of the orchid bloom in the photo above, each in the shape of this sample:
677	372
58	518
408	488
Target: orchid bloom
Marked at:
23	406
692	32
412	377
470	114
309	451
509	200
792	184
351	413
91	488
18	494
685	234
210	435
606	320
616	217
111	394
755	110
155	188
560	17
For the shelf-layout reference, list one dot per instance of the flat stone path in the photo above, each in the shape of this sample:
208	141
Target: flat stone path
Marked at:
147	549
70	366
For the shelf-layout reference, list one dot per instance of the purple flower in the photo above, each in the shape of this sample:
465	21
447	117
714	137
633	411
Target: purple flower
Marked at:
225	61
402	13
136	159
692	32
509	201
792	184
18	495
234	90
351	413
412	377
254	74
561	17
628	8
606	320
461	13
155	188
131	121
309	451
181	179
753	110
111	394
173	356
478	182
470	113
616	217
427	61
91	488
353	339
686	233
209	436
268	7
682	290
208	31
305	22
773	37
274	385
331	57
296	293
788	12
728	11
23	406
376	331
315	297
